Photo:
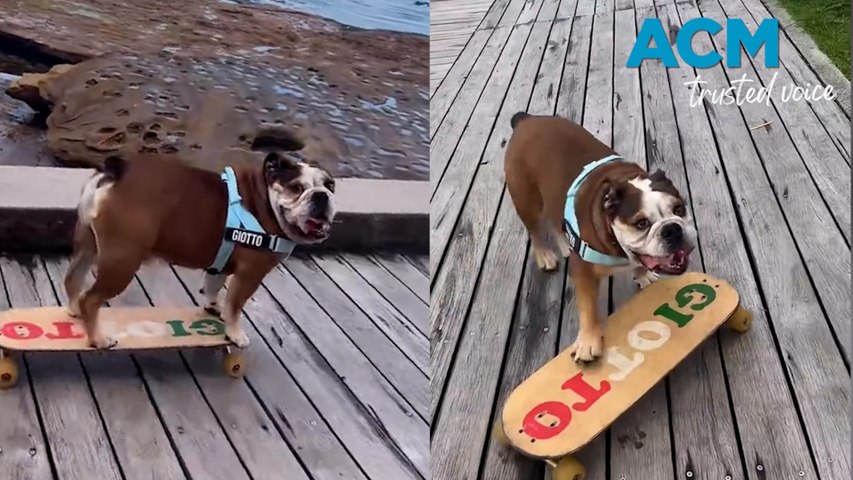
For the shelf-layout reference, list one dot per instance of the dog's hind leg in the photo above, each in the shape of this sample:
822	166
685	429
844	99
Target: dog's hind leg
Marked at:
210	287
528	205
116	266
85	250
552	215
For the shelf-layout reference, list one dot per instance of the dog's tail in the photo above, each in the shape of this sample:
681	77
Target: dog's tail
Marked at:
114	168
517	118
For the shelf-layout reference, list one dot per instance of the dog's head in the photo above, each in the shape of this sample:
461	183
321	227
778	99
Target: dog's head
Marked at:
302	197
651	222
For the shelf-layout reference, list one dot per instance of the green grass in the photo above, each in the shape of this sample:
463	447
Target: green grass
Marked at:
828	23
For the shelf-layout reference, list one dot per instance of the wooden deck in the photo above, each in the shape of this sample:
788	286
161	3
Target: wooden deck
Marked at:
771	205
336	382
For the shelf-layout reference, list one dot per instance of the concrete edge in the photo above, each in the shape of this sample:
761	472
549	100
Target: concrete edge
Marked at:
826	71
38	210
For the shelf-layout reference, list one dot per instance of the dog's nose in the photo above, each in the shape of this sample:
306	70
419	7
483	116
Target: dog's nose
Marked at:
672	234
319	203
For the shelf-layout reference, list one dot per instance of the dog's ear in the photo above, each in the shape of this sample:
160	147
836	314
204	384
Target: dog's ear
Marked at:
658	176
280	167
613	197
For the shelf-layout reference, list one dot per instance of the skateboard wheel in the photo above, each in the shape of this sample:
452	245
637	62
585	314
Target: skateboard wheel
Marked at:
8	373
740	320
568	468
234	365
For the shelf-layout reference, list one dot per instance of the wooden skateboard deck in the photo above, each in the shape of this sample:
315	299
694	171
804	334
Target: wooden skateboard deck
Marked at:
52	329
564	405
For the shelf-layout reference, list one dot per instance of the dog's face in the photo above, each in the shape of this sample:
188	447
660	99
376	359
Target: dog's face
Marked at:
302	197
652	223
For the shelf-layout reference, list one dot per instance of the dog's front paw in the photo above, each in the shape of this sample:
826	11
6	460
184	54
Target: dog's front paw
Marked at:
236	335
545	259
73	309
588	346
102	342
645	278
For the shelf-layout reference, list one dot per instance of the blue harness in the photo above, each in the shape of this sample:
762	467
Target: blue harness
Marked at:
241	227
583	249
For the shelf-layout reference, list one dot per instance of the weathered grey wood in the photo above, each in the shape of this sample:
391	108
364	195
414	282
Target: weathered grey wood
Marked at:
421	262
529	11
462	427
826	166
456	121
790	301
447	90
285	405
750	366
139	438
244	419
513	11
412	383
391	289
24	447
535	326
585	7
493	15
407	273
548	11
571	93
809	219
451	188
832	116
399	329
404	436
455	282
60	386
566	9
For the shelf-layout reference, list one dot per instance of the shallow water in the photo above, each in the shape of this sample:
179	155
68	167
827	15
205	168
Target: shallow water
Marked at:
399	15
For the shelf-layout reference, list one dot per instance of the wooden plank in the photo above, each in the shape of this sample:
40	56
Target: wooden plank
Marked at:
401	330
462	428
285	407
443	97
573	84
138	436
493	15
529	11
640	439
513	11
567	9
535	325
455	282
832	116
404	436
548	12
263	451
403	299
421	262
60	385
451	186
24	447
808	218
788	295
826	166
478	85
751	367
407	273
412	383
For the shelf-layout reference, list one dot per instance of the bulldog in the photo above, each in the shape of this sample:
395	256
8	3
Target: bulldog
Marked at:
606	214
151	207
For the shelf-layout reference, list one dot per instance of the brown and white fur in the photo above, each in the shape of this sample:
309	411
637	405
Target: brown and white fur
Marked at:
621	209
151	207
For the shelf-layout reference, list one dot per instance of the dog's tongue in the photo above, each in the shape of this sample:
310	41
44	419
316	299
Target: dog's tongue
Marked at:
675	258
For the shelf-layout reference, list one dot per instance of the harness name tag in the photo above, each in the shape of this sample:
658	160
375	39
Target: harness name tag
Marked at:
247	238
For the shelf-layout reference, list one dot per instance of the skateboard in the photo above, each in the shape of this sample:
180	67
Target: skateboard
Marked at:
564	405
52	329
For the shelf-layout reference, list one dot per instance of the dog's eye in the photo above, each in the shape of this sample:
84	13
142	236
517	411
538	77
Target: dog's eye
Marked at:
679	210
330	186
642	224
296	188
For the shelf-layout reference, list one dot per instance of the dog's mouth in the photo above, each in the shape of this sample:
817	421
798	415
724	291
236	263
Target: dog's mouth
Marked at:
675	263
316	228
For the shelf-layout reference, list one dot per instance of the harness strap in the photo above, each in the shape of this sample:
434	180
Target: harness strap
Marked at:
242	227
583	249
